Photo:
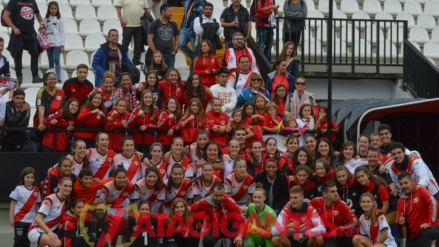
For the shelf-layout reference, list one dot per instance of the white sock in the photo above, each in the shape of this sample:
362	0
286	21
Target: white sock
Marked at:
402	242
433	245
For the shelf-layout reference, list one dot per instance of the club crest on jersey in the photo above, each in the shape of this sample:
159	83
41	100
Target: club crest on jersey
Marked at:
223	122
245	187
136	163
155	192
178	90
224	211
125	194
183	193
110	159
335	212
36	194
98	116
415	200
19	231
375	223
162	171
200	124
58	97
303	219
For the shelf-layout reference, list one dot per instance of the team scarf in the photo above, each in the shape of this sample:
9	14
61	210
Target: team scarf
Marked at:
131	100
8	82
254	91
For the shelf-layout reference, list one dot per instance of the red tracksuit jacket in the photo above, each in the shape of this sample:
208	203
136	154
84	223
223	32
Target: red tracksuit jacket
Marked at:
175	90
116	123
86	119
201	65
166	123
60	136
221	119
136	121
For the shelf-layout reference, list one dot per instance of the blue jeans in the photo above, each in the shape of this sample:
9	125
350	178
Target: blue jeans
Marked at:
169	60
265	40
185	38
54	53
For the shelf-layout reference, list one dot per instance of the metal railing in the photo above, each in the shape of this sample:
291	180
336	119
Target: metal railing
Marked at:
421	77
355	42
261	60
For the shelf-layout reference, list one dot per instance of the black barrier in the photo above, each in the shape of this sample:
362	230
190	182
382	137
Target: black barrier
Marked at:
13	163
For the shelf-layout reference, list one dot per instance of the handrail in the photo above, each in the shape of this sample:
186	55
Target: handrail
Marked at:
421	77
261	60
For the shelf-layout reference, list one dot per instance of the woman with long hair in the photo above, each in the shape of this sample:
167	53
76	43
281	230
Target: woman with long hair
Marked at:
302	156
206	64
213	155
348	190
156	153
202	185
145	217
324	173
289	53
97	222
148	189
194	120
117	119
126	91
229	158
78	156
62	169
286	164
116	192
177	225
170	116
172	85
151	83
240	185
107	89
280	75
256	158
177	156
348	156
129	160
194	87
176	186
325	150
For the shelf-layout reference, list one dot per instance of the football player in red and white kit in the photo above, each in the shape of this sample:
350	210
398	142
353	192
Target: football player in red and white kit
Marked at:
129	160
101	158
298	224
203	184
25	201
339	220
177	186
412	211
177	156
116	192
148	189
50	215
240	185
156	152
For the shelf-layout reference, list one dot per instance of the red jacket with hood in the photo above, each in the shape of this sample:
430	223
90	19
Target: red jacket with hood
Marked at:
117	123
203	64
217	118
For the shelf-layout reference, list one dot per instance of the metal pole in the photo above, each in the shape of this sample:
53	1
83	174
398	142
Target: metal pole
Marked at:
329	67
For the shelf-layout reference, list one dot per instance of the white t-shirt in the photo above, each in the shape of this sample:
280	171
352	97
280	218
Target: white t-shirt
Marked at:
132	11
228	95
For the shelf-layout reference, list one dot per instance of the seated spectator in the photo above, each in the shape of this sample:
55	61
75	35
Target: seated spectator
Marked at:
279	75
207	27
236	19
109	57
241	78
126	91
237	50
78	87
206	63
297	10
224	92
17	114
289	53
107	89
255	87
194	88
151	83
298	98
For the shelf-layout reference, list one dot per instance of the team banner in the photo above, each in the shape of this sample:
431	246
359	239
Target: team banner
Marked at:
8	82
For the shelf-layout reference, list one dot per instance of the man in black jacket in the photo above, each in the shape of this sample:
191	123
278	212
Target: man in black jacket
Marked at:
235	18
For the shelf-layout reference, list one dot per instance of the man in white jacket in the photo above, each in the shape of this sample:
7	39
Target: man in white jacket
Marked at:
226	93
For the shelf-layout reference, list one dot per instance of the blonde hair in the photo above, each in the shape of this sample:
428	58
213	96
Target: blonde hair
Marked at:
142	105
270	105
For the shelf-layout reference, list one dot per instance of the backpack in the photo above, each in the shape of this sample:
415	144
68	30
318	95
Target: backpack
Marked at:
3	20
209	32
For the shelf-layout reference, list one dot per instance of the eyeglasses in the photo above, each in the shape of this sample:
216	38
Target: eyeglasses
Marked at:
300	83
256	79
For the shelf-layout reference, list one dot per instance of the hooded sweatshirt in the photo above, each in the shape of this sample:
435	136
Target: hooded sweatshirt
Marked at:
221	119
69	229
175	90
203	64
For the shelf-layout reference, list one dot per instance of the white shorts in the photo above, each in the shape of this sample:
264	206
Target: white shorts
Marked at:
34	236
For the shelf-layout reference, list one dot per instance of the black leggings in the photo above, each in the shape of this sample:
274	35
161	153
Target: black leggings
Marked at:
20	234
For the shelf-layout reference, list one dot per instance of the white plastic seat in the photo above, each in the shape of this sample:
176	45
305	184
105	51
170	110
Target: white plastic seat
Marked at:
431	61
93	42
339	48
426	21
388	50
42	6
90	75
314	50
339	15
371	34
70	26
76	3
346	34
392	6
361	16
27	79
44	62
322	33
416	45
64	74
111	24
384	16
349	6
13	74
395	34
76	57
8	55
217	11
324	6
31	96
31	118
89	26
107	12
406	17
5	37
431	49
73	42
85	12
310	5
413	8
66	11
314	14
372	6
432	8
25	59
60	2
98	3
435	34
419	35
184	74
180	61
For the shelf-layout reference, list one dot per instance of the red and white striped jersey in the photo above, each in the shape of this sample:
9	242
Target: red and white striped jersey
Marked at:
185	163
76	166
26	199
201	189
185	191
162	167
154	196
52	208
373	231
101	164
239	190
117	198
132	165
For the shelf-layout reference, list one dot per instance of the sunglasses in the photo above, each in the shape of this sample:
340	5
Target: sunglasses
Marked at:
300	83
256	79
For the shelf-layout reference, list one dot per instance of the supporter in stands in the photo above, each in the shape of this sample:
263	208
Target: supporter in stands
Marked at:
64	118
274	183
325	150
126	91
203	184
348	190
279	98
4	68
23	36
55	34
130	20
337	217
148	188
62	169
271	149
236	50
152	84
25	202
108	90
363	146
296	11
375	141
49	100
412	204
250	118
299	97
145	116
79	87
194	120
159	65
322	124
236	121
323	173
208	28
374	228
163	36
194	87
289	53
17	114
206	64
280	75
192	10
311	143
109	57
224	216
305	120
172	85
240	80
302	156
374	167
263	10
117	119
177	186
272	122
349	156
298	224
170	116
236	19
225	92
286	165
217	120
253	91
69	234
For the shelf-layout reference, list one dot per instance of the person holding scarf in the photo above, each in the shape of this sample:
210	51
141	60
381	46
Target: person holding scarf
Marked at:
126	91
255	87
297	98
